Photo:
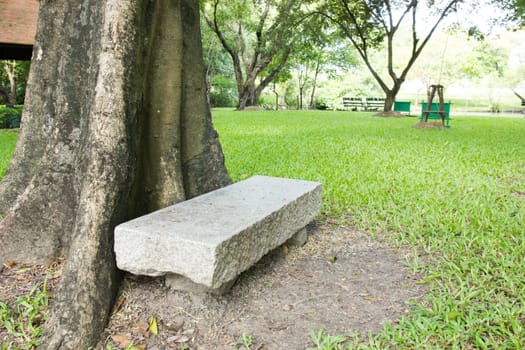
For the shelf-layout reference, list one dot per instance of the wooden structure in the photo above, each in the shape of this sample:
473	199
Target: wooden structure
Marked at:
431	93
18	19
374	103
368	104
435	113
353	103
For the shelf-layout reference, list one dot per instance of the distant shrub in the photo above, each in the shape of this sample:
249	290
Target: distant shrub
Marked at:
223	92
10	116
221	98
321	104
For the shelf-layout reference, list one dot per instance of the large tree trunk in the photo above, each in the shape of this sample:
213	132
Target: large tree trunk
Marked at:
247	95
389	101
390	96
311	105
115	125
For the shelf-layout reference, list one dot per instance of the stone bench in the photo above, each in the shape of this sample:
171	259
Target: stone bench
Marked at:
204	243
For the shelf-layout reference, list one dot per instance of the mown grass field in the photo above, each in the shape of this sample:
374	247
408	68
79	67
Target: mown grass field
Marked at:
456	194
7	146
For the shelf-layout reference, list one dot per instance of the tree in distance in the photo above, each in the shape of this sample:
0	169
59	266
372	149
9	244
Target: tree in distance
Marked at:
115	125
13	79
259	37
367	24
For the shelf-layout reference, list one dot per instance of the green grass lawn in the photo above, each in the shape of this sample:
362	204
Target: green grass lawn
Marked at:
7	146
457	194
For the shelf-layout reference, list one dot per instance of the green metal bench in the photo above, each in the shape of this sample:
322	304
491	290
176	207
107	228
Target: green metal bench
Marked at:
402	107
434	114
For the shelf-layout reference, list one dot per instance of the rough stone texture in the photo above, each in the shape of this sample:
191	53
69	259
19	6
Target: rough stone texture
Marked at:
212	238
299	238
181	283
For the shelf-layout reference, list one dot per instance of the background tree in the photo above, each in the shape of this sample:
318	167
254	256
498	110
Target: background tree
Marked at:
259	36
307	61
326	59
514	11
369	23
115	125
13	79
222	90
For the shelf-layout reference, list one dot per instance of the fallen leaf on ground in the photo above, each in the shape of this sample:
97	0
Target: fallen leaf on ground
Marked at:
178	339
118	305
153	328
121	340
142	329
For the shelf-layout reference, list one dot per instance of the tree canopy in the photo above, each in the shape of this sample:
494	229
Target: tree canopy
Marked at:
514	11
387	36
259	36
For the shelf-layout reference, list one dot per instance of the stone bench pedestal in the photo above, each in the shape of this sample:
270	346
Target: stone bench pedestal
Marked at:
180	282
204	243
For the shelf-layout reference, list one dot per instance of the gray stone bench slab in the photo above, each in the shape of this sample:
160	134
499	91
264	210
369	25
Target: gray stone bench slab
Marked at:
212	238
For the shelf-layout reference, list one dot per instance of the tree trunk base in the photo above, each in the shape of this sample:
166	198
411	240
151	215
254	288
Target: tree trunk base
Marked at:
102	142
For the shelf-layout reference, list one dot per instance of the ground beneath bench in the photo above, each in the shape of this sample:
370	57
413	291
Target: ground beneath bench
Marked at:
341	280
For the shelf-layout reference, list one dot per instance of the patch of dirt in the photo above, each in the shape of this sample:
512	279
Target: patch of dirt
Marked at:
429	125
390	114
253	108
19	281
340	280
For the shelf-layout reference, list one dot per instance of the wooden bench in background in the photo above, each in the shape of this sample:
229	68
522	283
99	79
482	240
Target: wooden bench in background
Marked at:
374	103
353	103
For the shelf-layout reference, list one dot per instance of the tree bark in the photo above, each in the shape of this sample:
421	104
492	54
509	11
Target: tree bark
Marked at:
314	82
10	67
390	95
115	125
389	101
247	96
